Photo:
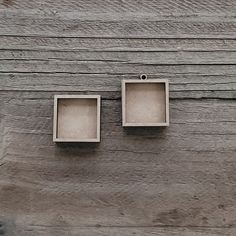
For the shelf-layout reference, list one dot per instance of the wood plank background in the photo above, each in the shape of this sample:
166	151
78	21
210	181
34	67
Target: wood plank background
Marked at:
176	181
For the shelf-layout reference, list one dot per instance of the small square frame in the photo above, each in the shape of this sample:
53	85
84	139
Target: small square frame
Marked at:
125	83
56	115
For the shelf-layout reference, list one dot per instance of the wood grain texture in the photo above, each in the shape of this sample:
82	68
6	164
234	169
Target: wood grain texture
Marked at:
178	181
185	81
70	44
130	57
124	26
182	176
78	64
119	18
117	6
118	231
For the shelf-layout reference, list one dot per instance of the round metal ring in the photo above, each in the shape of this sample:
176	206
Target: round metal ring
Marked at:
143	76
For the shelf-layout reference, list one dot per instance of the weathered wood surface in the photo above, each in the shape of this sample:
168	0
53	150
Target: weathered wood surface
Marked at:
196	68
119	18
180	176
168	182
213	19
138	231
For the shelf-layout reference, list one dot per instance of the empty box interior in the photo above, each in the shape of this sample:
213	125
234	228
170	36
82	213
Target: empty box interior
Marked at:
77	119
145	103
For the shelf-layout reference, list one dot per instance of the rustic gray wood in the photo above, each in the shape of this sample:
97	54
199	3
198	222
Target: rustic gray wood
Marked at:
185	81
109	24
182	176
178	181
116	6
69	44
170	18
139	231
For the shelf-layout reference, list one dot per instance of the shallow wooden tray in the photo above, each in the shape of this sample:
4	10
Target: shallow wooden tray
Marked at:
145	102
76	118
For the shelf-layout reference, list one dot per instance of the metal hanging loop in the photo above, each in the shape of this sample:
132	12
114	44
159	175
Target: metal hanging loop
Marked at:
143	76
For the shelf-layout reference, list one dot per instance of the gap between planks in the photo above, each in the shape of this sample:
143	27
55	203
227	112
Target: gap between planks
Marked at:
128	37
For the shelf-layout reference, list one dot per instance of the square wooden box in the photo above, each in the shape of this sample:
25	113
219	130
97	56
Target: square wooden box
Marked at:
145	102
76	118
